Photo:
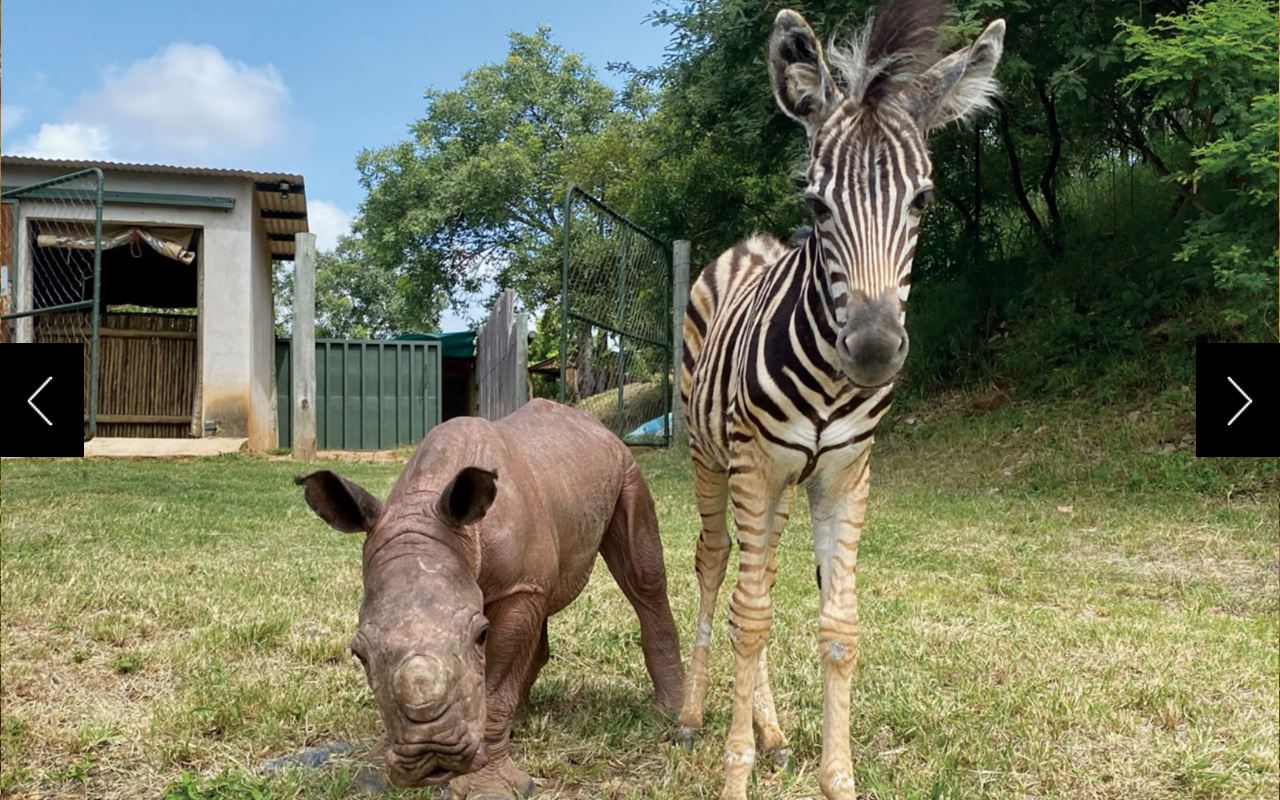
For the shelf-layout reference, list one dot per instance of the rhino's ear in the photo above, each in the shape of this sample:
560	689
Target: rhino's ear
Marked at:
468	496
343	504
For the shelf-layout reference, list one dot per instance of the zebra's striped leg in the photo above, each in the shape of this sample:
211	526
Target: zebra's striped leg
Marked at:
712	491
764	717
755	504
838	509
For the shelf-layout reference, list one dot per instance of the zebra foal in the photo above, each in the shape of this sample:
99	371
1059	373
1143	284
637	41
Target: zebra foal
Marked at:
790	355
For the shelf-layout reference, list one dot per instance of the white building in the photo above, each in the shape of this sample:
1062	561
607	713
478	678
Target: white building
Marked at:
187	339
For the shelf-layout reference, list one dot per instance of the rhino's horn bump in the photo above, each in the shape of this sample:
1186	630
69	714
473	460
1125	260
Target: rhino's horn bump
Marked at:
422	686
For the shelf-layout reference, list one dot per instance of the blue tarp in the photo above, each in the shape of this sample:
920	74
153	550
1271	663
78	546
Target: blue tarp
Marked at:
654	427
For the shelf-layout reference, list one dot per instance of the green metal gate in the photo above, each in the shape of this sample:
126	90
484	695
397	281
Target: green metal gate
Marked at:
369	395
615	321
57	269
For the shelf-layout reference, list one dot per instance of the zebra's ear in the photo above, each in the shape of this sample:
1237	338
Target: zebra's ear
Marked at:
802	83
959	85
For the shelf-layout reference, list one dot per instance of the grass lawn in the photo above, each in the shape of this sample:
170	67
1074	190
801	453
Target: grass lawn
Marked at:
1056	602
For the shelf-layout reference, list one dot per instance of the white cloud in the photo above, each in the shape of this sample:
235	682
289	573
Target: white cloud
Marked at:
71	140
327	222
10	118
188	100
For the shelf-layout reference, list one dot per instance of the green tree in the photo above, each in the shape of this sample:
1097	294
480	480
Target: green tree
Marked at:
477	191
1212	73
352	300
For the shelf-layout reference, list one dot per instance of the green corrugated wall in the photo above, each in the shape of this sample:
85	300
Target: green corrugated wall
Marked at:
369	395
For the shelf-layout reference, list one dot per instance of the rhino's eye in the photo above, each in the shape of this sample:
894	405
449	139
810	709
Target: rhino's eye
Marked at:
483	637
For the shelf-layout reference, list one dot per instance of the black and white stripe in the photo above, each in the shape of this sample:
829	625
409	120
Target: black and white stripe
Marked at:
762	323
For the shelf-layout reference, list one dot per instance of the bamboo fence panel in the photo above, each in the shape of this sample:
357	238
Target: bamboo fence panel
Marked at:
146	374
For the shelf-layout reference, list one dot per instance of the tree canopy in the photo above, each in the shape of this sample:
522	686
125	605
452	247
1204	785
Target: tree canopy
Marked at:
477	190
1120	204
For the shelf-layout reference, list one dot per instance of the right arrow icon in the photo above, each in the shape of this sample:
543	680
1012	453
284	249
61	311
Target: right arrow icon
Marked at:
1248	401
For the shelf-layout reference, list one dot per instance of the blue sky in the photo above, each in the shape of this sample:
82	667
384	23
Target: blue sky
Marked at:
270	85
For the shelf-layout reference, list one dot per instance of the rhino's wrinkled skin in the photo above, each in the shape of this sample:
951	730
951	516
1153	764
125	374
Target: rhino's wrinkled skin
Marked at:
491	529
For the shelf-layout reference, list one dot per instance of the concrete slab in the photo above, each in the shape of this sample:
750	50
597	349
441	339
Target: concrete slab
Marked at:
104	447
356	456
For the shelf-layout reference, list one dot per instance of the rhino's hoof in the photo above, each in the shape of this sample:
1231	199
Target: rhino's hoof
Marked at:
528	790
685	737
784	760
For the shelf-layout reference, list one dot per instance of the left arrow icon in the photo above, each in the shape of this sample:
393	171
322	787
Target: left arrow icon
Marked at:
31	401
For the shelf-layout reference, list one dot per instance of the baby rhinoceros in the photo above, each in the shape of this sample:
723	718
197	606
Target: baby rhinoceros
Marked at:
491	529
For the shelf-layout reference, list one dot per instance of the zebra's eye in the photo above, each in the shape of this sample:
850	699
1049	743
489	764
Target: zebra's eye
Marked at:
818	208
922	199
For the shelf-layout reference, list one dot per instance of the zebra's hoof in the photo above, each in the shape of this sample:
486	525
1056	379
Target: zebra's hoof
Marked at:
784	760
685	737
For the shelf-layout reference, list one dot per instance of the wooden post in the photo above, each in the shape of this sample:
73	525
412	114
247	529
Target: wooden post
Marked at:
482	369
520	370
679	299
502	359
302	352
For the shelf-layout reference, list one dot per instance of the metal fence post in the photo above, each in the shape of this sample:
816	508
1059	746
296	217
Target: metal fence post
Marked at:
303	348
618	420
23	266
671	365
95	311
679	299
564	299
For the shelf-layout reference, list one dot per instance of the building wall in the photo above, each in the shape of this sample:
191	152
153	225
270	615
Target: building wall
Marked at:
236	314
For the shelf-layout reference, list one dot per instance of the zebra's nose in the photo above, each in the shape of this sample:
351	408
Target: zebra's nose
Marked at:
873	344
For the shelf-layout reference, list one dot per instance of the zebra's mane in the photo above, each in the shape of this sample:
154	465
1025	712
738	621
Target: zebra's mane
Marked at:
898	42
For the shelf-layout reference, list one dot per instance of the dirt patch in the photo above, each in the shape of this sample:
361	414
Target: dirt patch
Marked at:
397	456
1242	579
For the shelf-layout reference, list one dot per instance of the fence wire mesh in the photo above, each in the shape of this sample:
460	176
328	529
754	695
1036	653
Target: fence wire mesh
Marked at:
54	250
616	321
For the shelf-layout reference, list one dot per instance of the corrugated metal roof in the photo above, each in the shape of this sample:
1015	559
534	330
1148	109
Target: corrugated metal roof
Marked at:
282	216
166	169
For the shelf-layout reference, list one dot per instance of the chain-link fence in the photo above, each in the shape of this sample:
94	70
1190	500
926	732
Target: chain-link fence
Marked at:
615	340
54	249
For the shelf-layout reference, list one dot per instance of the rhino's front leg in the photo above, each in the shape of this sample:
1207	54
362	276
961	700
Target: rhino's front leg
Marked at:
515	630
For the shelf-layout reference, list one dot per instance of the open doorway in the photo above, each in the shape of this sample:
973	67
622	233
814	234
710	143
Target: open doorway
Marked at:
148	338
